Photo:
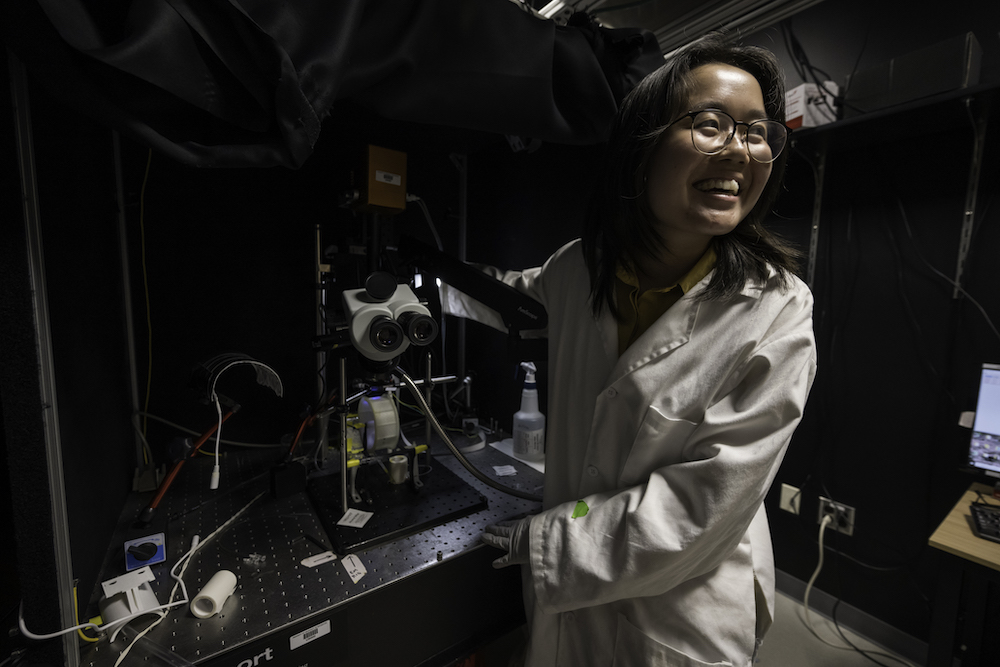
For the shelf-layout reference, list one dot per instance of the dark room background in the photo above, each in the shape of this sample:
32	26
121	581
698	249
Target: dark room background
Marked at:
225	259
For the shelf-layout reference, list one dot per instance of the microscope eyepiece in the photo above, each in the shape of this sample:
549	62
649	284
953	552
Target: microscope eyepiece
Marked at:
385	334
421	329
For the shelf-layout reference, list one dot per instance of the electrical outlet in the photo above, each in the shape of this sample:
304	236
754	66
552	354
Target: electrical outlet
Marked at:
791	498
842	515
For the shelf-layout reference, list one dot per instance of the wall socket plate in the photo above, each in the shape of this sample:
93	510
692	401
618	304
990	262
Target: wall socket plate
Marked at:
842	515
791	498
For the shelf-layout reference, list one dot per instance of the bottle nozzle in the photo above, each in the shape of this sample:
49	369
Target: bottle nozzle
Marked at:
529	369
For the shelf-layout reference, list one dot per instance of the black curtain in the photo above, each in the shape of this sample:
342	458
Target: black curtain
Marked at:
226	83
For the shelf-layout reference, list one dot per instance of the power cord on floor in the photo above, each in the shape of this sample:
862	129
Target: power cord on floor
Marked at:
805	604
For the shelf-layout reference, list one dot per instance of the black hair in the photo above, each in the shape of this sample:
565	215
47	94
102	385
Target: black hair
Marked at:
619	221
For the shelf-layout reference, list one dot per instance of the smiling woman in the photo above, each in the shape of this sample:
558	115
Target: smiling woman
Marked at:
681	354
695	196
622	226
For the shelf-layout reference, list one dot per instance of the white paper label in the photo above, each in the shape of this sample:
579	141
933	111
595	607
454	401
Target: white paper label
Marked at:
319	559
388	178
355	570
529	443
504	471
313	633
355	518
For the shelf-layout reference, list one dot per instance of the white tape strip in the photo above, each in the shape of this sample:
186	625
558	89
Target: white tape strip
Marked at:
319	559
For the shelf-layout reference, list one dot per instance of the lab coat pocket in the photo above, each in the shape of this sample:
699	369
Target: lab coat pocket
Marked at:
634	649
659	442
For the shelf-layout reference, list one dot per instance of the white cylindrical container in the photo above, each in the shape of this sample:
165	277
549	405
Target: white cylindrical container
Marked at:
398	467
381	420
529	423
213	596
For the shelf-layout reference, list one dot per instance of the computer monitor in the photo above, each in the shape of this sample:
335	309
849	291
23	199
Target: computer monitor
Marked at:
984	446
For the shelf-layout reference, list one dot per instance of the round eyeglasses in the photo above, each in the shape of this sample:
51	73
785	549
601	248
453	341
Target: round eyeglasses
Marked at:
712	130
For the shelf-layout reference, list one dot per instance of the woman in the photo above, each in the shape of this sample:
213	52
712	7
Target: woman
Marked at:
681	354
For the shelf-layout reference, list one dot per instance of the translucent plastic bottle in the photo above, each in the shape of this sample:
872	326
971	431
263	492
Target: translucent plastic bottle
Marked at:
529	423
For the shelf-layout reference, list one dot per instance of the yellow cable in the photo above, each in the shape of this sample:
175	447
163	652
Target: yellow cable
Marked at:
76	613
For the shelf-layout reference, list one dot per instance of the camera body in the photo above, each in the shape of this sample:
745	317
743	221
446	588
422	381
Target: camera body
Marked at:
384	322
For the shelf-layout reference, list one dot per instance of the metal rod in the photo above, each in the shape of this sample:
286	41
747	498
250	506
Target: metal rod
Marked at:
441	379
461	163
127	300
972	190
343	434
374	249
61	552
820	175
323	357
428	388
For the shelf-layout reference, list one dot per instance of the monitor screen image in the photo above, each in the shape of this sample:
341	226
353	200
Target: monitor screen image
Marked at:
984	448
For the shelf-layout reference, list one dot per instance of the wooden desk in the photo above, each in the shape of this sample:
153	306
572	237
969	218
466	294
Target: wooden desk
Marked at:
970	564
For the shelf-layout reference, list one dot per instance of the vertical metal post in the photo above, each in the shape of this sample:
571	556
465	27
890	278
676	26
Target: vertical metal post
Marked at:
461	163
46	368
428	390
819	171
127	298
374	222
343	434
972	188
322	357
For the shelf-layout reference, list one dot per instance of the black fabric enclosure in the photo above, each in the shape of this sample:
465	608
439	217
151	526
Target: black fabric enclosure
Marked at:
230	83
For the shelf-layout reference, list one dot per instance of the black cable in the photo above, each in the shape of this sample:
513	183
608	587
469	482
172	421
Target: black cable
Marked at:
938	273
836	624
910	315
809	72
786	35
838	583
983	501
15	658
904	567
7	614
857	62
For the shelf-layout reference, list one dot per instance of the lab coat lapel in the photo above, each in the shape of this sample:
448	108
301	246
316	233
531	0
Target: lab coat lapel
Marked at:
673	329
669	332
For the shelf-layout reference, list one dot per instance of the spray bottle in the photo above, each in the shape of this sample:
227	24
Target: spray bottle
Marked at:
529	423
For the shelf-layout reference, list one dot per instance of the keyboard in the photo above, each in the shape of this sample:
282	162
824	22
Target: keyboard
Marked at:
986	520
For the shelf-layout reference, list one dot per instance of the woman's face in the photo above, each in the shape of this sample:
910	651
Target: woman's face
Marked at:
695	196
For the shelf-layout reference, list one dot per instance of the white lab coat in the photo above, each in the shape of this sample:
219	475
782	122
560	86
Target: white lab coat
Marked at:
672	447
